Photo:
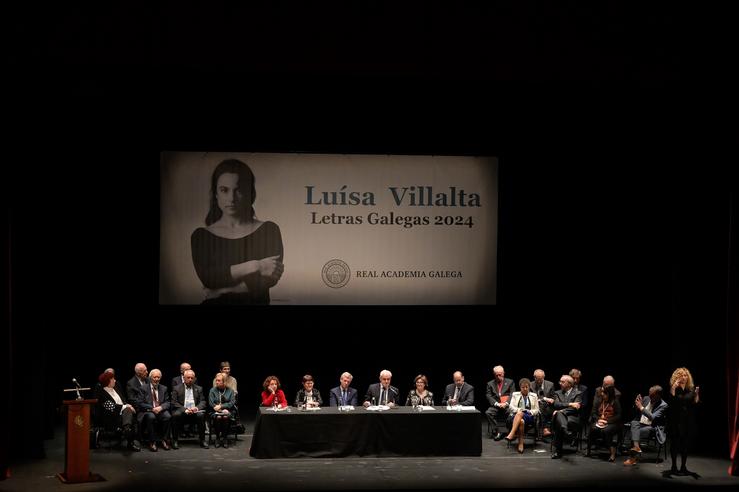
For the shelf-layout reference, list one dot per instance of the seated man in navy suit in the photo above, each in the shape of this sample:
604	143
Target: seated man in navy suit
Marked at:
382	393
153	408
459	392
343	394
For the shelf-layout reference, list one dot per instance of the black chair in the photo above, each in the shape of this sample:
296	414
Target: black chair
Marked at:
599	441
649	442
234	423
500	420
105	426
527	431
575	441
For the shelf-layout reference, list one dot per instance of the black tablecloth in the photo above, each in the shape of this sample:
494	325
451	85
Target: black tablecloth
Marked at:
397	432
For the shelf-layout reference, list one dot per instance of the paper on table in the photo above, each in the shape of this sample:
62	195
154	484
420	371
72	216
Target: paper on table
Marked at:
376	408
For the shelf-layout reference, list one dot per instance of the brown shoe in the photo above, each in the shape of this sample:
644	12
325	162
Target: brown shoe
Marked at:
630	462
165	446
546	432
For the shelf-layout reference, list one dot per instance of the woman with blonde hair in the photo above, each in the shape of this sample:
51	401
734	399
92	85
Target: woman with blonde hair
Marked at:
683	397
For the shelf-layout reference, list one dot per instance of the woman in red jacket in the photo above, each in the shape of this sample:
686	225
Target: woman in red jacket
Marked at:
273	392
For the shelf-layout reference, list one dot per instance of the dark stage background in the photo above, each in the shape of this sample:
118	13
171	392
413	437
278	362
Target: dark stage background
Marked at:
615	198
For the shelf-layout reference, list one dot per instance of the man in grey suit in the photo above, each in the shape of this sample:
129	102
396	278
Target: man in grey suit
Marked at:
459	392
499	391
343	394
188	403
653	410
566	418
544	390
382	393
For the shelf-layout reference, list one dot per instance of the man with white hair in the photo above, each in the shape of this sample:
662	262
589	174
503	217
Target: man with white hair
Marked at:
178	380
544	390
566	418
382	393
343	394
499	391
188	404
137	382
153	412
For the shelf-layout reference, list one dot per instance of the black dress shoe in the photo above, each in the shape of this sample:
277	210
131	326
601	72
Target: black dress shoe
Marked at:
133	446
153	447
175	445
225	444
556	455
204	445
498	436
165	446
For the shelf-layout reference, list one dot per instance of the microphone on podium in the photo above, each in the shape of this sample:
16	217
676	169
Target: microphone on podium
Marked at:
74	380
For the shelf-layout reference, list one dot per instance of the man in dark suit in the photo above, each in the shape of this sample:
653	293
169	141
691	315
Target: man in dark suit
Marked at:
343	394
459	392
382	393
178	380
545	391
188	403
137	382
499	391
576	375
152	408
566	418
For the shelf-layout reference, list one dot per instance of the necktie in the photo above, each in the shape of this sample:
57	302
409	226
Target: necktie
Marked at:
383	396
156	398
343	397
456	392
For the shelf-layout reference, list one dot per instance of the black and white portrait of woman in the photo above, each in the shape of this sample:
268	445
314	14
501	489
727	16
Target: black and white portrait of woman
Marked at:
236	256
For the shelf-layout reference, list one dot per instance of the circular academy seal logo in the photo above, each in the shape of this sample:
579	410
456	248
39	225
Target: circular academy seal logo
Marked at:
336	274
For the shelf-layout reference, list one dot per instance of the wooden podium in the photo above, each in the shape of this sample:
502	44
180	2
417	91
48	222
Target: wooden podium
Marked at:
77	451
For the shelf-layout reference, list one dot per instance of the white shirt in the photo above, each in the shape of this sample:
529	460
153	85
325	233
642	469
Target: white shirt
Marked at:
644	420
114	395
189	398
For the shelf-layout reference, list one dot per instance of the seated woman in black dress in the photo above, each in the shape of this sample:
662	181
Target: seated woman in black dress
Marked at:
605	420
237	257
308	396
113	408
523	411
420	395
681	424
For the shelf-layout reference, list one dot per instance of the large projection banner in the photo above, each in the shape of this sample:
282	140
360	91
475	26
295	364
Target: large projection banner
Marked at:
328	229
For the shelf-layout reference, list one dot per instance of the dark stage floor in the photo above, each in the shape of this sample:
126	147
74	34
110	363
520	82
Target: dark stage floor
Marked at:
192	468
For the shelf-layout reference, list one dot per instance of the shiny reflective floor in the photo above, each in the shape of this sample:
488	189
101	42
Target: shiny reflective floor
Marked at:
193	468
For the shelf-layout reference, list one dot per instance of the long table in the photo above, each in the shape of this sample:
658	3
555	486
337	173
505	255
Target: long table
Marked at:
400	431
